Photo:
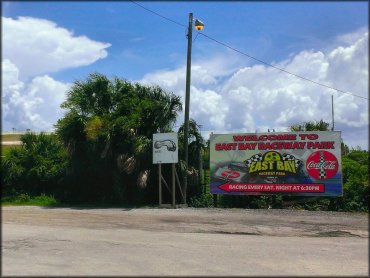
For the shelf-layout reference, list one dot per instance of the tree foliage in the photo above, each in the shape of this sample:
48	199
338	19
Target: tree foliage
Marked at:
355	165
196	147
102	152
38	166
108	131
355	183
311	126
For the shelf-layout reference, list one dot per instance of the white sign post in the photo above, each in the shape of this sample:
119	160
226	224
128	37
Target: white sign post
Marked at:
165	150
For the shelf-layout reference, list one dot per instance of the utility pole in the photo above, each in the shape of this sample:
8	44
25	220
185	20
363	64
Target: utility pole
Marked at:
332	112
187	102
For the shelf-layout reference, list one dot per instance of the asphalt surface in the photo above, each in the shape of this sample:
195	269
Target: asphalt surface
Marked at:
65	241
11	143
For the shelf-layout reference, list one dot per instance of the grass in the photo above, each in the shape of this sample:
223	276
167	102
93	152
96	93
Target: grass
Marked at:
49	201
6	148
27	200
207	180
6	138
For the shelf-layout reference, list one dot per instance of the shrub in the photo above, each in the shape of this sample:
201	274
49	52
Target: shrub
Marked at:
204	200
36	167
25	199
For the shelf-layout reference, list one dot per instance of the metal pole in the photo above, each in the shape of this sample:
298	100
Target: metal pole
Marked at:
332	112
173	186
187	101
160	183
200	171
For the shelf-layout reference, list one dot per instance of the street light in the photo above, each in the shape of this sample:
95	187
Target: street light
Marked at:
199	26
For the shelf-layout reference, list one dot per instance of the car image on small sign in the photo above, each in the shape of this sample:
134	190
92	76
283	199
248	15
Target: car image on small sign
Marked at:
169	144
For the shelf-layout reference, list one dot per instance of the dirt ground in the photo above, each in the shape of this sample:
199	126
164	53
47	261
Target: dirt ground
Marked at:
190	220
184	241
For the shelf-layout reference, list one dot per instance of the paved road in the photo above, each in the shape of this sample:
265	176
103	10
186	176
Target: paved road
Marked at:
39	241
11	143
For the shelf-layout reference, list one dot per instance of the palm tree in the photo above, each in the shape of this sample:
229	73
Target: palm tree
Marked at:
109	125
195	149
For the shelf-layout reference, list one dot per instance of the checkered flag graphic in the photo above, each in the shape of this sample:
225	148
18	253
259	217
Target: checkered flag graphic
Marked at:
287	156
256	157
322	174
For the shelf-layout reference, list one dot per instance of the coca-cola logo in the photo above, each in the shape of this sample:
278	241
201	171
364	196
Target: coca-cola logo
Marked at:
322	165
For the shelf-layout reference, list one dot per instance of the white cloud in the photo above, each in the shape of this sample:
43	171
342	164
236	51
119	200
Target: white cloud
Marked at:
352	37
208	106
225	95
32	49
32	106
208	73
38	46
259	97
349	66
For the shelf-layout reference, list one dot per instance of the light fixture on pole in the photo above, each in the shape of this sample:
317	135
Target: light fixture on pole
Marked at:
199	26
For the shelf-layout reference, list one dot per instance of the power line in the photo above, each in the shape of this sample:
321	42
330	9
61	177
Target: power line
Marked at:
249	56
157	14
283	70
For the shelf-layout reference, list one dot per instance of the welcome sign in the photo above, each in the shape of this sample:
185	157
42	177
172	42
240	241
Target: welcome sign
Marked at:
295	163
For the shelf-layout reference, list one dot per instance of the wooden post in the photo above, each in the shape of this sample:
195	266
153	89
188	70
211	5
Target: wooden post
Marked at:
160	183
173	186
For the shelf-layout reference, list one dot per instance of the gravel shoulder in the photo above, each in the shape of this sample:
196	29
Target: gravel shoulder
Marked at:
282	223
40	241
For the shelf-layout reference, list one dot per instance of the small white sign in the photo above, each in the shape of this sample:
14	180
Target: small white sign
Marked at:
165	148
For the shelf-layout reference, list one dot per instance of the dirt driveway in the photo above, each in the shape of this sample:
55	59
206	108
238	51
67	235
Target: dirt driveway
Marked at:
187	241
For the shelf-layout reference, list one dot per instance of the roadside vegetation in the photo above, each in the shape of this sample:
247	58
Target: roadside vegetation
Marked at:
26	200
101	155
101	150
5	150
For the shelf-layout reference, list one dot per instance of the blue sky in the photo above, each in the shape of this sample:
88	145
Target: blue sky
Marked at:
323	41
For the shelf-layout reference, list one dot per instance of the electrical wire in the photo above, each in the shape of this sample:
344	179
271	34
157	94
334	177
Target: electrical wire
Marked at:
249	56
196	37
157	14
283	70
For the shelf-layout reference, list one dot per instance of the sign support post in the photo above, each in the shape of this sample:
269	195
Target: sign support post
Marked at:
173	186
160	183
165	151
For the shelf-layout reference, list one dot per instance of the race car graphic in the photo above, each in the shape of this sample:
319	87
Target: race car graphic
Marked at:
233	172
169	144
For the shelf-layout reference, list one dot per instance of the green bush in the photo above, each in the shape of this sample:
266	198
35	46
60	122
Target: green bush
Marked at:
36	167
204	200
26	200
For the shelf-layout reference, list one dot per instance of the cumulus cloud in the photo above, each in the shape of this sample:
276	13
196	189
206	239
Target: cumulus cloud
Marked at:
259	97
33	105
38	46
32	49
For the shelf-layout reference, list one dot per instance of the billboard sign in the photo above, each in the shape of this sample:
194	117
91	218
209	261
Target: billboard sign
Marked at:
165	148
294	163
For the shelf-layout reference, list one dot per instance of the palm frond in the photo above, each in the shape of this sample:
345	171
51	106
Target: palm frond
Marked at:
126	163
143	178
